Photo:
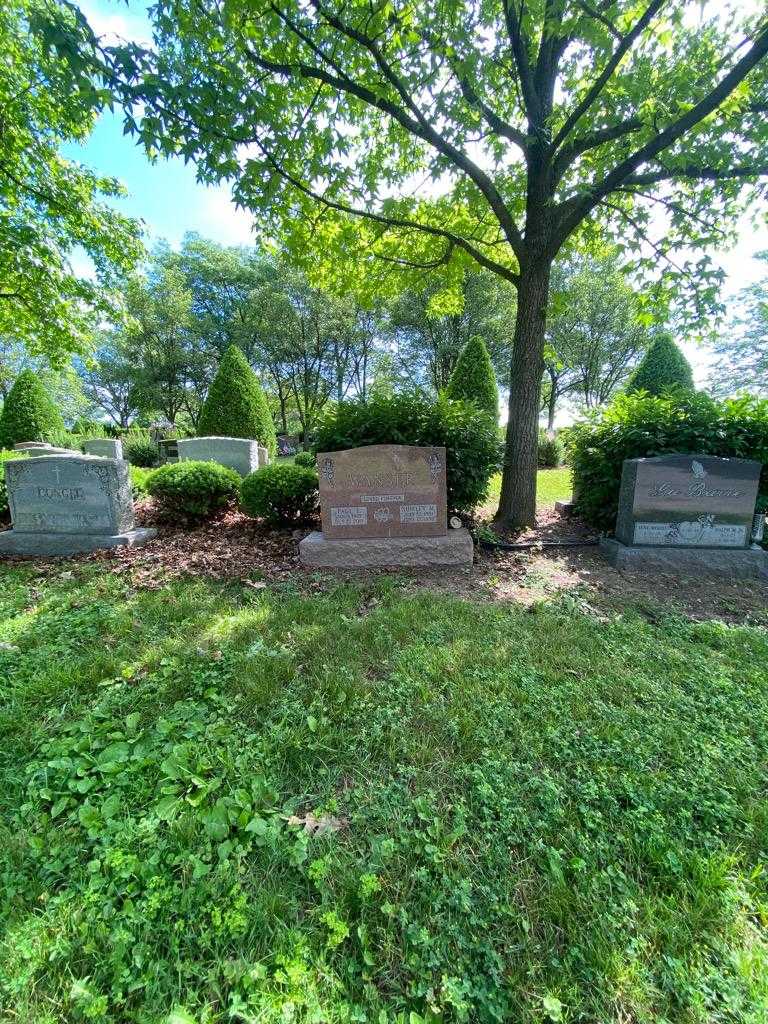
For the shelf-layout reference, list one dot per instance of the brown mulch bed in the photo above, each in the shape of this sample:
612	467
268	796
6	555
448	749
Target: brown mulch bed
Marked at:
232	546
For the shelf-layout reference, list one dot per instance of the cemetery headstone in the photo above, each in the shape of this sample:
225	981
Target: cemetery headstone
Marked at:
384	505
69	504
242	454
688	511
106	447
287	444
168	450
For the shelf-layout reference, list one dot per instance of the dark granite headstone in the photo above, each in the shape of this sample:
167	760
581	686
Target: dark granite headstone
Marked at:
687	501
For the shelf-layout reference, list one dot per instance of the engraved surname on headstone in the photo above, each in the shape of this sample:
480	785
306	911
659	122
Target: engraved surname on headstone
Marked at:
687	501
383	491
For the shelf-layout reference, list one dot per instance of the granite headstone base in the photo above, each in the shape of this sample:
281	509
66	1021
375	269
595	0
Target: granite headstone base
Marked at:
739	563
31	545
453	549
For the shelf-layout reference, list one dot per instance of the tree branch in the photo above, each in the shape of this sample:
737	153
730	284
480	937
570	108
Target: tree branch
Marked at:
602	79
573	211
591	141
397	222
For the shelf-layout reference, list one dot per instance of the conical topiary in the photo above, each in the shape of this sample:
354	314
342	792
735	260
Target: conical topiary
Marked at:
236	406
663	368
29	413
473	378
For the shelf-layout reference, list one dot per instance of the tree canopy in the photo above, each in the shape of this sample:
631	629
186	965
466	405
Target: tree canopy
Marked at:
742	347
49	206
441	135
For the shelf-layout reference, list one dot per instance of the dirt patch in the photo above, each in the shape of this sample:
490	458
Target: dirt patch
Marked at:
232	546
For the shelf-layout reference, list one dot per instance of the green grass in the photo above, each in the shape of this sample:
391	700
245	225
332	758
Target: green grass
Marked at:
551	485
525	816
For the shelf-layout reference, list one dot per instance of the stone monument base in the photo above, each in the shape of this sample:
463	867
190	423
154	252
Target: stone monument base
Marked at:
741	563
16	542
454	549
565	507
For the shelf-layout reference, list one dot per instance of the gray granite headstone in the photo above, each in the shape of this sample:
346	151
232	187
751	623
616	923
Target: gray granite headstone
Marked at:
687	501
242	454
106	447
65	504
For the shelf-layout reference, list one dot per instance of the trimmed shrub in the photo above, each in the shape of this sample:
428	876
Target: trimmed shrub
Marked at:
193	489
473	378
6	457
470	437
663	368
139	478
306	459
550	451
29	413
280	493
140	450
236	406
639	426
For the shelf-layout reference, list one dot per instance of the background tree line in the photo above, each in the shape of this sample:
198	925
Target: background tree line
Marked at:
310	347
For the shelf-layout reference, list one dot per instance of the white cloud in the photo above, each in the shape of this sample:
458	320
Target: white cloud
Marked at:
218	218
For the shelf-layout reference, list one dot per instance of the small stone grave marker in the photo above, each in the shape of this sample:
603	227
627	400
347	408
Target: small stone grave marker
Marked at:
242	454
66	504
106	447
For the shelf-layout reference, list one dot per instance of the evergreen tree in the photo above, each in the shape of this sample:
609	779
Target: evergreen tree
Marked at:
29	413
473	378
236	406
663	368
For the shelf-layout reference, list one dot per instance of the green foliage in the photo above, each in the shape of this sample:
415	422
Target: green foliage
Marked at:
663	368
140	450
236	405
5	456
371	803
550	451
306	459
473	379
193	490
51	206
280	493
139	479
742	350
640	425
29	413
473	451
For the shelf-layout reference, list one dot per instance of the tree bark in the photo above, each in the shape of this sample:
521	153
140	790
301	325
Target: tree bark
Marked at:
551	407
517	504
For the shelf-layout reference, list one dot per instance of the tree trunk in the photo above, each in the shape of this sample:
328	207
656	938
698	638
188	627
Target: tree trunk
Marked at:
517	505
551	408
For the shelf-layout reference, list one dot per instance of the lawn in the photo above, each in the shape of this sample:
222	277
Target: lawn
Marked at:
551	485
256	803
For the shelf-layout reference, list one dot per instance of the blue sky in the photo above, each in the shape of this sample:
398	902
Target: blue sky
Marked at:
167	198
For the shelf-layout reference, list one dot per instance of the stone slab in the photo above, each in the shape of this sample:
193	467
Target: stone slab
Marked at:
242	454
25	446
383	490
69	494
687	501
453	549
106	447
565	507
14	542
738	563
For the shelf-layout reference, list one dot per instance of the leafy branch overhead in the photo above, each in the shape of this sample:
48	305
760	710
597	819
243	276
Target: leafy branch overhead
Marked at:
50	206
508	109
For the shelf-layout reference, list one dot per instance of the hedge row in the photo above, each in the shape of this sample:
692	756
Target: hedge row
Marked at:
641	425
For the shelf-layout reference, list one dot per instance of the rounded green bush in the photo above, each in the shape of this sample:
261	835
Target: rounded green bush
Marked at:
140	450
29	413
642	425
236	406
280	493
468	434
550	451
473	378
193	489
306	459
